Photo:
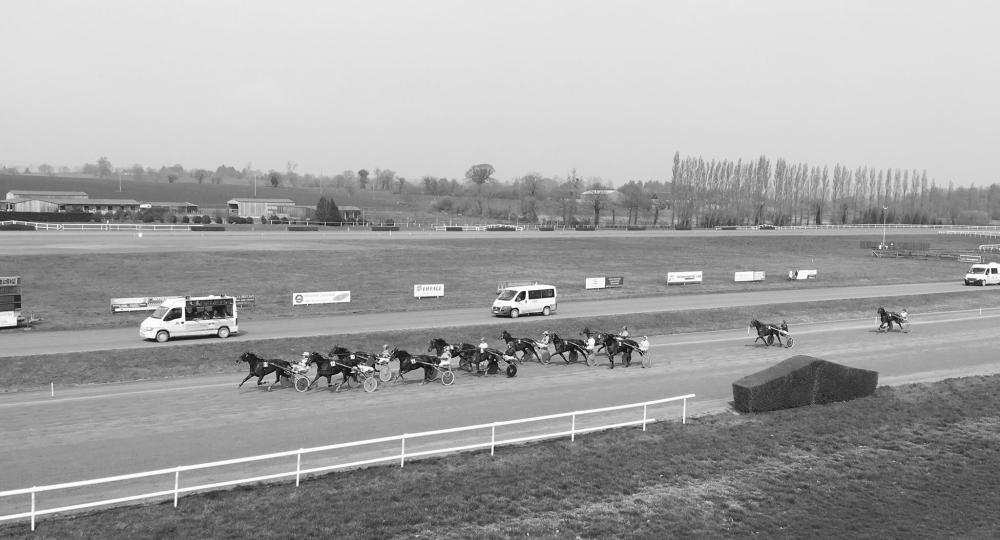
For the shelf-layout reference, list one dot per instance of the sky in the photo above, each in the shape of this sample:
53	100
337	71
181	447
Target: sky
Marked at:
610	89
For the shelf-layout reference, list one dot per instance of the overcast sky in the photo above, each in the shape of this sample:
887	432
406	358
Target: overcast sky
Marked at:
430	87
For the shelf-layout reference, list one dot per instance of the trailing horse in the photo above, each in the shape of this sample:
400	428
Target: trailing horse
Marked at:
769	332
522	345
409	362
887	318
260	367
612	345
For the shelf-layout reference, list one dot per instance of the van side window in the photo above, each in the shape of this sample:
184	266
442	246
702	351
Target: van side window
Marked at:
173	314
548	293
520	297
534	295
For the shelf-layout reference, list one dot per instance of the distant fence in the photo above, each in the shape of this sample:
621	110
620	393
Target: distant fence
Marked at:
299	471
135	227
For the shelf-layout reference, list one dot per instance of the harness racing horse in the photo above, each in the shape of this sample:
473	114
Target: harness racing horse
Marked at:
887	318
466	352
349	361
409	362
612	345
574	347
260	367
769	332
522	345
326	367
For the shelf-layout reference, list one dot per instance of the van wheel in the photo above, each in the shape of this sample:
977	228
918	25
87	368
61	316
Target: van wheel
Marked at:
162	336
514	313
545	311
224	332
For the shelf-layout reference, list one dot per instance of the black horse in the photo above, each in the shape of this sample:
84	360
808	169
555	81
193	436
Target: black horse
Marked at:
327	367
349	361
465	352
613	344
769	332
574	347
521	345
888	318
409	362
260	367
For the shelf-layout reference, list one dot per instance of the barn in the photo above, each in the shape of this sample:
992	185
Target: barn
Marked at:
58	204
256	208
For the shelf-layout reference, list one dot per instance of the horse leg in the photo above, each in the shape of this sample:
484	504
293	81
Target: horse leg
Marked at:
245	380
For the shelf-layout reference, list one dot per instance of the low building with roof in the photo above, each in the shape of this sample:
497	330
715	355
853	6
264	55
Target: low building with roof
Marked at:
32	194
70	205
169	206
257	208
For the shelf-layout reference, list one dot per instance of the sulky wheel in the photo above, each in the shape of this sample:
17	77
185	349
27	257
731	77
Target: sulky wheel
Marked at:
788	342
447	378
511	370
301	383
370	384
385	374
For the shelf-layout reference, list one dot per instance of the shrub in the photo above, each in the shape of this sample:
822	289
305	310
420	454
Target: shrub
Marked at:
801	380
185	219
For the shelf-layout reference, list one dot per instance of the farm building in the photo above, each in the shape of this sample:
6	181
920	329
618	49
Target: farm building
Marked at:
350	213
175	207
256	208
58	204
28	194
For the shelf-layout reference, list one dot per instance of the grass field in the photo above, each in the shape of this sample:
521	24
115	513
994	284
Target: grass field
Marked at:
73	290
915	461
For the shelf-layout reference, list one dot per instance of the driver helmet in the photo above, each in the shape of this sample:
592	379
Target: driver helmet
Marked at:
305	354
385	347
545	332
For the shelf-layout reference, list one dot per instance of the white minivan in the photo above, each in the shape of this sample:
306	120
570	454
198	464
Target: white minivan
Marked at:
192	316
983	274
525	299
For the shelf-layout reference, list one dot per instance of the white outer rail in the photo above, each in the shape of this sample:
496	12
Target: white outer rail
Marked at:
493	442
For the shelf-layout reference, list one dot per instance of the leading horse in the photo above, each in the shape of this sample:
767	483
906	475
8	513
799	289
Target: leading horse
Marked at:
260	367
887	319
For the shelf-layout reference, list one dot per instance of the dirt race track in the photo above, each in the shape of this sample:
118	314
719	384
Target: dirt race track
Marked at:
92	432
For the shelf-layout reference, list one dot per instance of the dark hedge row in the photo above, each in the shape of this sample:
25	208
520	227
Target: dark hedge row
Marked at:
799	381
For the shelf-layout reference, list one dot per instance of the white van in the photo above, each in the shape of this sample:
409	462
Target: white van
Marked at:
525	299
983	274
192	316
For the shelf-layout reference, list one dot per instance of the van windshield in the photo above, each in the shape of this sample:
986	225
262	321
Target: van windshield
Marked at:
977	270
506	294
160	312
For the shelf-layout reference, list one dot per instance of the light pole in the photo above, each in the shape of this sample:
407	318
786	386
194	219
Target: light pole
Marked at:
884	211
119	181
655	201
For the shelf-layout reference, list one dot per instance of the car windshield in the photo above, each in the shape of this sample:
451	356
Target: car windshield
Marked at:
160	312
506	294
977	270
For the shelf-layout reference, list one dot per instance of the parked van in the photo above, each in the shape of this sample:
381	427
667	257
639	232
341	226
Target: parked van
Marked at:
192	316
983	274
525	299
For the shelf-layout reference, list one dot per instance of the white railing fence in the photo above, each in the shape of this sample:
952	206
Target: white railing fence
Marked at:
401	455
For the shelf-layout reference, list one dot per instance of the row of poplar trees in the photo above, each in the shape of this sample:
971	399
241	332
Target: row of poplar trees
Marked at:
723	193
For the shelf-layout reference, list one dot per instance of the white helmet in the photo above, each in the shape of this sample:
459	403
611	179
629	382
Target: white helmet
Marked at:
305	354
546	332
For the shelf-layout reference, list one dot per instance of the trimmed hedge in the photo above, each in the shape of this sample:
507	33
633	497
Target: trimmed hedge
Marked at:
385	227
799	381
303	228
546	229
208	227
585	227
50	217
458	229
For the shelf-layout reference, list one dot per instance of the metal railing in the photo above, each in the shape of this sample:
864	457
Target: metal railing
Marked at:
299	471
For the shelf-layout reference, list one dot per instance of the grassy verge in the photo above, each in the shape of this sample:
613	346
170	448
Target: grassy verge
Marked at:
73	291
916	461
215	356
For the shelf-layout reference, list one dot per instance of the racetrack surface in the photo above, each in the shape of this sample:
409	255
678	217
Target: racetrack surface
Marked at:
29	343
97	431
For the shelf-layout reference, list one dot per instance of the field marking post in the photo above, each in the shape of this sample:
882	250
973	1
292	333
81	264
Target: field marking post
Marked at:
402	450
32	508
493	437
644	417
177	485
572	429
684	411
52	385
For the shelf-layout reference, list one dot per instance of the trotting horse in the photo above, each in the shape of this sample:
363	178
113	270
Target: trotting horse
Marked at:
522	345
769	332
574	347
466	352
260	367
612	345
887	318
409	362
326	367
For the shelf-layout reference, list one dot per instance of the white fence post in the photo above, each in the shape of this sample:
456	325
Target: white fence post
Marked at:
402	450
644	417
32	509
493	437
572	429
298	467
684	412
177	485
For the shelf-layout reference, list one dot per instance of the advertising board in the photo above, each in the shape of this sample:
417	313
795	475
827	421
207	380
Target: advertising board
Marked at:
8	318
606	282
683	277
10	280
428	290
140	303
594	283
320	297
749	276
802	274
